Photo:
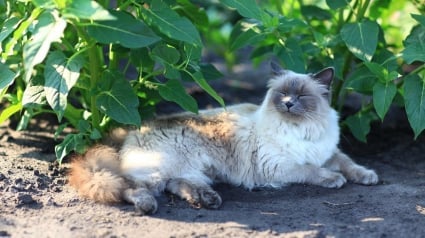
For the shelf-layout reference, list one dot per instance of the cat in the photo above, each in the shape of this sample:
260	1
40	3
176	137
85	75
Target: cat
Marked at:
292	137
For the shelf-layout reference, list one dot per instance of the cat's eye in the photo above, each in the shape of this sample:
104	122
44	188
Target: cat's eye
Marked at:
281	93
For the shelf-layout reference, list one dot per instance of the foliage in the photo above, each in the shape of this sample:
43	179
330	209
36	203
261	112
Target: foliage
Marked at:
97	64
364	40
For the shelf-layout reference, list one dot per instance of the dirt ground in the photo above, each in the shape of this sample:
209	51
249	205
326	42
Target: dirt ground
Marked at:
35	200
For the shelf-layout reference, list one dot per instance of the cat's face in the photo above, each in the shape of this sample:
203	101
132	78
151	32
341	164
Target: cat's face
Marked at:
300	96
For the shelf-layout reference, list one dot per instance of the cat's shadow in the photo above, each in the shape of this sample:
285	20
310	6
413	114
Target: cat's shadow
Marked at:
266	209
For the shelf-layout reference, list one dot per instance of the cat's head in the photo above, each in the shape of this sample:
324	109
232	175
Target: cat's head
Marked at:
299	96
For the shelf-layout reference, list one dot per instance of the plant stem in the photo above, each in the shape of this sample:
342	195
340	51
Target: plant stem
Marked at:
94	77
350	14
362	10
113	59
94	69
105	4
123	6
337	92
340	20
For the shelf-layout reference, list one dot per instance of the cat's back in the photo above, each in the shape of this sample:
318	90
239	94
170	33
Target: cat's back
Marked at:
217	125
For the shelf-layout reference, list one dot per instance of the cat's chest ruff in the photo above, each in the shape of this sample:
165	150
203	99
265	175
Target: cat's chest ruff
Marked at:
302	144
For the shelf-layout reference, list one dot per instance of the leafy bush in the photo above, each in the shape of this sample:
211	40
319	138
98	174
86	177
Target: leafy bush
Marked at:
96	67
361	39
98	64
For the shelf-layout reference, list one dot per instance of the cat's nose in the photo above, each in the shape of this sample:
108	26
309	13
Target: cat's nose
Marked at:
288	101
289	104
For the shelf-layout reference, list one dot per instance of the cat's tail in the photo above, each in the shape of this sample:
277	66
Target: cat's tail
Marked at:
96	175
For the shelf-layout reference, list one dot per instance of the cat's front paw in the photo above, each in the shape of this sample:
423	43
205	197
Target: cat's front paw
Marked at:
332	180
363	176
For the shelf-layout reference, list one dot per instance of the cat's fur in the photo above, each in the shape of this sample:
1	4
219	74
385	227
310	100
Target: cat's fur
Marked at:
292	137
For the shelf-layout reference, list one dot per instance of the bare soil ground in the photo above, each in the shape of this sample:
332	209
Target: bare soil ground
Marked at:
35	200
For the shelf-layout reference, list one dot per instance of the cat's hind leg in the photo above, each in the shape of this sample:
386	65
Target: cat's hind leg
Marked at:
352	171
198	194
143	200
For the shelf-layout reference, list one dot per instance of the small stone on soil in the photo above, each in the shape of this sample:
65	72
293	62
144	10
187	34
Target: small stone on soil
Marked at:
4	234
59	182
55	188
18	181
10	139
36	172
24	199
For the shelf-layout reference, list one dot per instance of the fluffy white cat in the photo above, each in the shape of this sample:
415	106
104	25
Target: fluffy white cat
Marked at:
292	137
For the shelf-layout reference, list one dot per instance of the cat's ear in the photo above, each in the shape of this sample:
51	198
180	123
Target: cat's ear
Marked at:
276	69
325	76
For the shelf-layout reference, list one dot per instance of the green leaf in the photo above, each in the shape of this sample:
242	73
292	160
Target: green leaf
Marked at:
210	72
48	29
34	95
86	9
414	97
166	53
419	18
124	30
175	92
73	115
361	38
244	34
140	58
44	4
9	111
415	45
335	4
95	134
381	72
378	70
321	40
169	23
361	80
359	125
200	80
247	8
195	13
8	27
288	24
6	76
25	120
117	99
383	95
61	74
311	11
386	59
192	53
378	9
72	142
19	33
83	126
171	72
292	55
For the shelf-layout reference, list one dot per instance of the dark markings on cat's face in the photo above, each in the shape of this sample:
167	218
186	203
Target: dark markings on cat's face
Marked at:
295	98
300	96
